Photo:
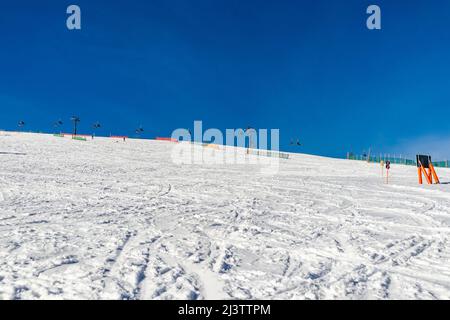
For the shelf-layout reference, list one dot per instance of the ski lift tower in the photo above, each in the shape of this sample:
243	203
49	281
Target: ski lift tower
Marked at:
57	124
75	121
95	126
139	131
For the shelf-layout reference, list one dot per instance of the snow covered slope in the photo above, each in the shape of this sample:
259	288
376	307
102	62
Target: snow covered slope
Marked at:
112	220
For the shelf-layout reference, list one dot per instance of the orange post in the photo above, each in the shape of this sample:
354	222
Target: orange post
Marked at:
419	171
434	174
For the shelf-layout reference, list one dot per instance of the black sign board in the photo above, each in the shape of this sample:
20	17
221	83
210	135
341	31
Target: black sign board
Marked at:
423	160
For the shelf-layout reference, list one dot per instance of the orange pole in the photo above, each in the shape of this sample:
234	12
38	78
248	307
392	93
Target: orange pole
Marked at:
419	171
433	172
429	175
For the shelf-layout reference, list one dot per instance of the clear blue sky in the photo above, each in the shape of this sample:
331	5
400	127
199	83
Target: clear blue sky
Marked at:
310	68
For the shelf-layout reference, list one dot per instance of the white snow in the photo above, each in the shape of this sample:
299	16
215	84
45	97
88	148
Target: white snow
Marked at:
105	219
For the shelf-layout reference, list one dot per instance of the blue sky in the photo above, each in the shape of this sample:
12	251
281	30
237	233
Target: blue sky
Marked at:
310	68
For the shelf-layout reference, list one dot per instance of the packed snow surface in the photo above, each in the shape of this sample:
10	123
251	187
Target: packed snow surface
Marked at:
107	219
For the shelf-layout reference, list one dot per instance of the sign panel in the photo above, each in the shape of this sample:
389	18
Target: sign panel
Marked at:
423	160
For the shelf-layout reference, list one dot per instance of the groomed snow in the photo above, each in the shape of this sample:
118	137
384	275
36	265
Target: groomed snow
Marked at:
105	219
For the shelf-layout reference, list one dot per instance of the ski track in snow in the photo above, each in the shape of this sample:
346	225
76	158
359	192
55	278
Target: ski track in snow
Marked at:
110	220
